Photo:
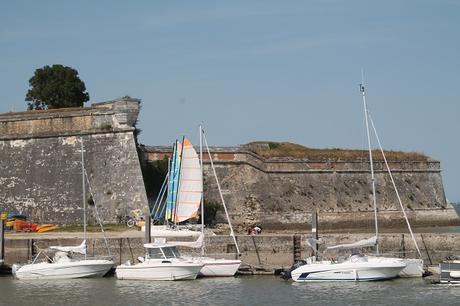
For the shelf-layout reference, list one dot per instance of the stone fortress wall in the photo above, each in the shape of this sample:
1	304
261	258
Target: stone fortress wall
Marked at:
282	193
40	162
40	176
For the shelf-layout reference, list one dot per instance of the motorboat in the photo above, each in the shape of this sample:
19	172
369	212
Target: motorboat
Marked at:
354	268
161	262
67	263
450	272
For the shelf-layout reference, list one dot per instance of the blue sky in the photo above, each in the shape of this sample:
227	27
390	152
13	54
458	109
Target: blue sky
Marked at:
255	70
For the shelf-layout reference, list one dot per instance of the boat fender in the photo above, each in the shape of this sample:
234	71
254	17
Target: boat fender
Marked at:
455	274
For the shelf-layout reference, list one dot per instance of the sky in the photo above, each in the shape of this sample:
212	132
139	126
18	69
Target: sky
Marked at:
255	70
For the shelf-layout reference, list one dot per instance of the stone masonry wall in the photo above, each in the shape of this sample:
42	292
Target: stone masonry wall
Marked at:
282	194
40	162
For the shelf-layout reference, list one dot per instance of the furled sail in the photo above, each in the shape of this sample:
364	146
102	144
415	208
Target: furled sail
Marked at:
190	184
359	244
191	244
173	183
75	249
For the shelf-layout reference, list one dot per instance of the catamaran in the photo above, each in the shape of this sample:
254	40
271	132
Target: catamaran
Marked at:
361	267
68	261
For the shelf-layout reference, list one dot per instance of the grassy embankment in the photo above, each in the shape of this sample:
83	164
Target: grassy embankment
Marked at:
269	149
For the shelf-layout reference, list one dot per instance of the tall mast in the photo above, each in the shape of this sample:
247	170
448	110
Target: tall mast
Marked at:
83	190
366	115
202	189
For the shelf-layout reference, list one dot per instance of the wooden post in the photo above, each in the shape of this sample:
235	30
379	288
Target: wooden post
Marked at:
2	241
148	237
314	232
296	247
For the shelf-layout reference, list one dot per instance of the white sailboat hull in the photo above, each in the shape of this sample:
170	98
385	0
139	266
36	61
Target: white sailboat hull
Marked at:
165	231
414	267
159	271
218	267
66	270
369	270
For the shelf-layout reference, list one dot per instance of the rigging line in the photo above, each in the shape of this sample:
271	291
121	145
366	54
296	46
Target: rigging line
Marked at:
220	193
394	186
162	189
160	204
97	214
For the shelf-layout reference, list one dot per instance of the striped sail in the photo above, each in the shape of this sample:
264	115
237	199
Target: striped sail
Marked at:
173	183
190	184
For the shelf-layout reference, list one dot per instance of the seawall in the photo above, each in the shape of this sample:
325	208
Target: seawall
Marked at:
265	250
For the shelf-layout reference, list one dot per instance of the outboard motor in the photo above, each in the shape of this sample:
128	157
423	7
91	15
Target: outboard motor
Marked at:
287	273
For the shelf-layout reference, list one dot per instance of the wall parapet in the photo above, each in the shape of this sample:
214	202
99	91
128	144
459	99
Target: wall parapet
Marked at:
238	156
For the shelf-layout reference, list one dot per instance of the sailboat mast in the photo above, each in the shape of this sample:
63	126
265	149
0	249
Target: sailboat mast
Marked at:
83	190
371	162
202	187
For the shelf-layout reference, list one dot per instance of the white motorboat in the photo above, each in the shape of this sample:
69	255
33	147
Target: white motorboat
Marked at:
161	262
65	264
355	268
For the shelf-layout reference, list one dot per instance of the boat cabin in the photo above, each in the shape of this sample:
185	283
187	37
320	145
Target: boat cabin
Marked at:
164	251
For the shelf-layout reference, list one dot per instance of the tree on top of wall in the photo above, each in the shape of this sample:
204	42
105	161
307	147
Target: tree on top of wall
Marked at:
57	86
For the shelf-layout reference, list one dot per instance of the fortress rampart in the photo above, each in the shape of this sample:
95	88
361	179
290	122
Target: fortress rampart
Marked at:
281	193
40	162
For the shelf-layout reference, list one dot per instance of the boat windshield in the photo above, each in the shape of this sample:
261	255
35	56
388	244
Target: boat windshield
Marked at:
171	252
155	253
163	252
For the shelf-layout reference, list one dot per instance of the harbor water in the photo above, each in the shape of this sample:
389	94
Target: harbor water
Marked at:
252	290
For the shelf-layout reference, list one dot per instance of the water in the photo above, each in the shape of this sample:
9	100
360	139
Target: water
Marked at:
262	290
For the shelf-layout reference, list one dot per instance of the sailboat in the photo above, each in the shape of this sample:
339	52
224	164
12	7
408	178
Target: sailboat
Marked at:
183	201
360	267
68	262
182	187
215	266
